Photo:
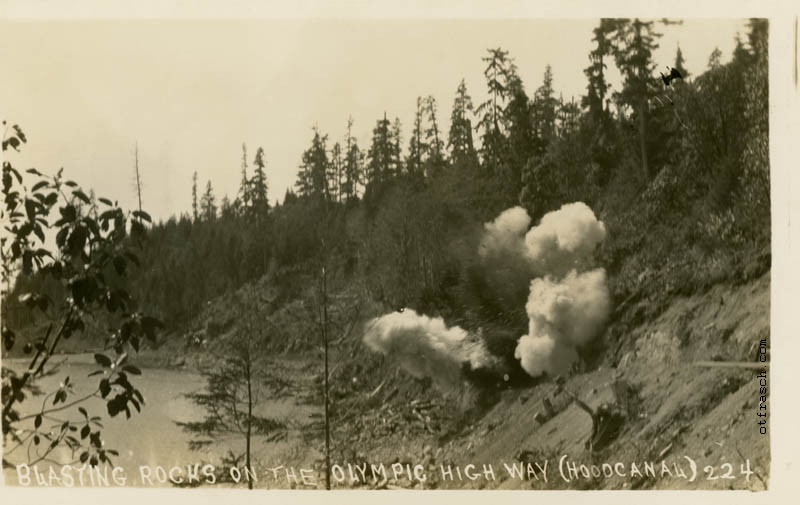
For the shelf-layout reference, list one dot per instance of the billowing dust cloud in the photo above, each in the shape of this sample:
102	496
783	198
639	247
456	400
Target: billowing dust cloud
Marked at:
425	346
504	238
561	241
564	314
564	239
567	305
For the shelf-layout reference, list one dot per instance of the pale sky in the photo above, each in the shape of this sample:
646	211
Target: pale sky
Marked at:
191	91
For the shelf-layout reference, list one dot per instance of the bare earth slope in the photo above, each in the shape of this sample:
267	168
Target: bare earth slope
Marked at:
675	409
684	423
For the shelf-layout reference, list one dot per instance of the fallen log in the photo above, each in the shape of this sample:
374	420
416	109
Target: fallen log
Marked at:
731	364
377	389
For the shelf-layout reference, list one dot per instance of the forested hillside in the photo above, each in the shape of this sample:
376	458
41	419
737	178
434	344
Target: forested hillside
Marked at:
677	172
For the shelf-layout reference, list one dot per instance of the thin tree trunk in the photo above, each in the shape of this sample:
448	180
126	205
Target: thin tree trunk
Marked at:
138	179
249	419
327	411
264	256
602	91
643	138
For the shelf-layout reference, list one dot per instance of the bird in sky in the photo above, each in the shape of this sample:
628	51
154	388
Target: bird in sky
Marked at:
673	74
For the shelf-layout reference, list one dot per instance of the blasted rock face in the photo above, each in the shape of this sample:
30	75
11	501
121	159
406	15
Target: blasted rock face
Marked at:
609	405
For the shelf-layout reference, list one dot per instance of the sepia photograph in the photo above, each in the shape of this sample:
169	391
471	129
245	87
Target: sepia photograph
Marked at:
386	254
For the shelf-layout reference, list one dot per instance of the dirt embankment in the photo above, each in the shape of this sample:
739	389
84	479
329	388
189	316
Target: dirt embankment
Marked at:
674	418
667	403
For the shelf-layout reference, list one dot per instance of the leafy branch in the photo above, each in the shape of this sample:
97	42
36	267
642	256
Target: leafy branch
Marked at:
94	247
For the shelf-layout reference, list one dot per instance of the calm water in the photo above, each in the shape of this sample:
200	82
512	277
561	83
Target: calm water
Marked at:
147	438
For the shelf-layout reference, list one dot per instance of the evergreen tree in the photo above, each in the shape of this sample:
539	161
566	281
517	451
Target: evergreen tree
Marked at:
289	197
740	52
336	173
258	184
352	165
755	179
303	185
491	111
459	140
208	204
679	63
195	212
570	113
313	176
354	171
522	141
225	207
597	86
596	101
244	185
237	384
397	150
715	59
635	42
435	145
758	39
417	146
381	152
546	109
538	178
539	188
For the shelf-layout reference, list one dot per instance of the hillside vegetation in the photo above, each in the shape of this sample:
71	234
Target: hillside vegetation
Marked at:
678	175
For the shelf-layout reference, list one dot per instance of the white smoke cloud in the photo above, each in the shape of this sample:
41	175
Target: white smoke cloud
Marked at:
557	245
571	308
426	347
504	237
566	309
564	314
538	355
563	238
567	306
